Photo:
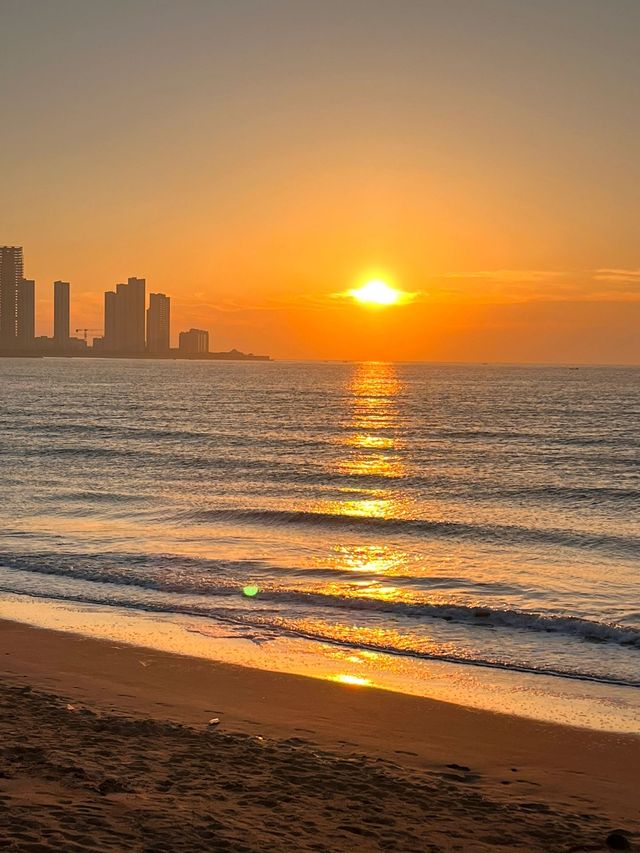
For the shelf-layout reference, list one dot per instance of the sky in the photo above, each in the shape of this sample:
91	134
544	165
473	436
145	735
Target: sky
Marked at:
257	159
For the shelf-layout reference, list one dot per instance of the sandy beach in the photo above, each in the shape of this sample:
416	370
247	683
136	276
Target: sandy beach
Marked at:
109	747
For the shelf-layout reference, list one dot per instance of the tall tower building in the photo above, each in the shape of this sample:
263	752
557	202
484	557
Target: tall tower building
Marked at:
158	323
136	304
26	313
11	269
124	317
121	318
110	321
61	313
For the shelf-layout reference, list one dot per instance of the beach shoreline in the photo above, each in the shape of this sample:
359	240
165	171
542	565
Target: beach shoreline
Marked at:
526	767
537	696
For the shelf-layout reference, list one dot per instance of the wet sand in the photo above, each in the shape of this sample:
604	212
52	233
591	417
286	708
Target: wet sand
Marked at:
108	747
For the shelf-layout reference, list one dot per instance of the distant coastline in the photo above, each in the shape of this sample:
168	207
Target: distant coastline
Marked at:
172	355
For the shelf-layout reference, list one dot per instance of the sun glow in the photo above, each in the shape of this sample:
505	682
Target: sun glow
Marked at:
376	292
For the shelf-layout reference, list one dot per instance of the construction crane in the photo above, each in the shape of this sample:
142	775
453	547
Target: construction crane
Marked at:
86	332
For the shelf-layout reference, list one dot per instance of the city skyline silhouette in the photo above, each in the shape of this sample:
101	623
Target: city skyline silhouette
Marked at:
132	327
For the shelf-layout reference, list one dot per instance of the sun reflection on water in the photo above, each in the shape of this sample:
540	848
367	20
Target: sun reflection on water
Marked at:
361	508
373	455
372	465
378	442
345	678
374	392
369	559
373	446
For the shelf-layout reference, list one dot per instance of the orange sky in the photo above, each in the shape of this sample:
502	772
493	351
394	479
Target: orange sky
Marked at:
254	160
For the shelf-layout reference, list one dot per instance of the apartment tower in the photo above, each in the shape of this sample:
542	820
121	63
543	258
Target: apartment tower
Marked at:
11	269
124	317
61	313
110	299
26	313
158	324
194	342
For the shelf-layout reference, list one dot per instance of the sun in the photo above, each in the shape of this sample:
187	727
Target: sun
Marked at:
376	292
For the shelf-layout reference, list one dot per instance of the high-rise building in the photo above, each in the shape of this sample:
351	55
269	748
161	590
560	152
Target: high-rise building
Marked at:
136	304
124	317
61	313
11	269
120	303
194	342
158	323
26	313
109	340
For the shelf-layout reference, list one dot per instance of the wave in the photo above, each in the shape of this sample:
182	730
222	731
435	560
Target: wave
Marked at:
74	496
122	567
576	627
442	529
575	494
252	620
326	434
602	501
275	470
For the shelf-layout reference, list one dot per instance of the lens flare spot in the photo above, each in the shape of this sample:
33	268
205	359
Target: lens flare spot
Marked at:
250	591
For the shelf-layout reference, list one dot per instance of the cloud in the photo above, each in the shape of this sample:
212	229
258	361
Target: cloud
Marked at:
229	305
506	285
509	276
614	274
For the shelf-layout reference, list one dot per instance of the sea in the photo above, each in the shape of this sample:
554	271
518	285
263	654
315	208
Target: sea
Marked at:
469	533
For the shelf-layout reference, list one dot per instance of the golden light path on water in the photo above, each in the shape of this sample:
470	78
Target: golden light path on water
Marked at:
372	449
